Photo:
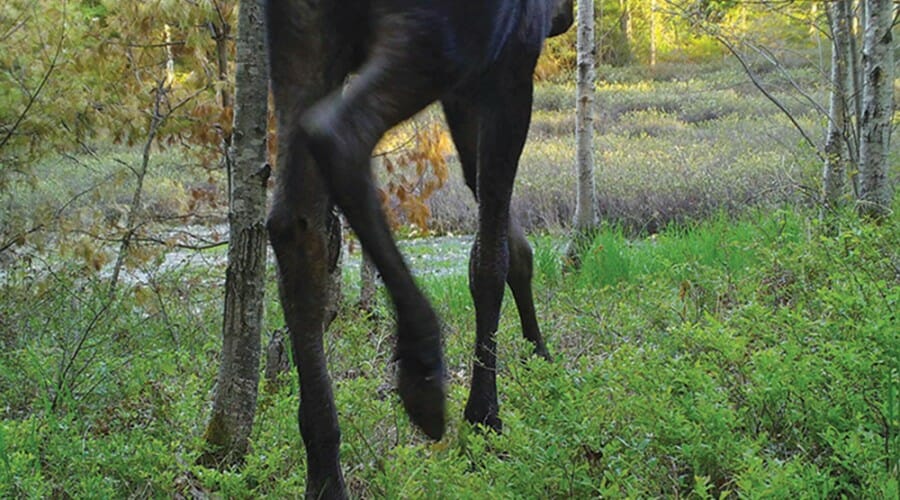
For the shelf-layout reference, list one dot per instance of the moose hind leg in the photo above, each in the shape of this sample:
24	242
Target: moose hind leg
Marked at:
462	119
303	230
521	270
306	255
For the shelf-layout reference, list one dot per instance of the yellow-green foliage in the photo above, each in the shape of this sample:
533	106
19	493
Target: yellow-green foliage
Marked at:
685	32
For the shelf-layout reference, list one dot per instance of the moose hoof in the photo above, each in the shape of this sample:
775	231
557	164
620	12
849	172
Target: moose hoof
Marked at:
486	419
542	352
422	392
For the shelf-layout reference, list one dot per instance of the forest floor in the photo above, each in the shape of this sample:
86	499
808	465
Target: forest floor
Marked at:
717	341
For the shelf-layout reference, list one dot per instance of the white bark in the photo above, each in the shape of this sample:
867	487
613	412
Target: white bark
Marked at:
835	171
878	93
234	404
855	68
586	205
586	200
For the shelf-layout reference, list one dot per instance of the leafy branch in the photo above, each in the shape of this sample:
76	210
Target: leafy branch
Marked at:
33	96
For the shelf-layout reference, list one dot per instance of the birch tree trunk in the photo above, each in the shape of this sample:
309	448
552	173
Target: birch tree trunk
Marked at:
855	89
586	205
234	405
835	171
878	94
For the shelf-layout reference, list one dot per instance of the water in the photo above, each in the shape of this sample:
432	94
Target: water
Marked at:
438	256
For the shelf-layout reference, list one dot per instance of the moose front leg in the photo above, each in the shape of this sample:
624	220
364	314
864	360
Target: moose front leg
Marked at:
342	131
298	230
302	227
504	117
463	120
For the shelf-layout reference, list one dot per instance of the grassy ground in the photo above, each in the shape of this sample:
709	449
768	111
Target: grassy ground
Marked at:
754	357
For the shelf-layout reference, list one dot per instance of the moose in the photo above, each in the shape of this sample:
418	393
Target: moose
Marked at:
476	57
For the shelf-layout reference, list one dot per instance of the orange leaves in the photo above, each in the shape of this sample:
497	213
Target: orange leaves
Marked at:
93	256
271	133
211	123
414	156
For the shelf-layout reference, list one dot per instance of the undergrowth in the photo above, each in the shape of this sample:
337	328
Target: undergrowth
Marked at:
753	357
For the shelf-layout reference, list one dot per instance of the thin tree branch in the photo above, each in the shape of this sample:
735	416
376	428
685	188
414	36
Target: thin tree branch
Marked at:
155	123
16	25
68	363
56	215
759	85
769	56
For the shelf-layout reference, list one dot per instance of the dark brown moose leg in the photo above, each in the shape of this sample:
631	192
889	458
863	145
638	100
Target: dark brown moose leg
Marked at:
392	85
521	270
462	118
303	230
504	116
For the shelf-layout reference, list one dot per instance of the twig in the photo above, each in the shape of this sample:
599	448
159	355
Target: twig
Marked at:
749	71
155	123
16	25
56	215
68	363
774	100
183	246
769	56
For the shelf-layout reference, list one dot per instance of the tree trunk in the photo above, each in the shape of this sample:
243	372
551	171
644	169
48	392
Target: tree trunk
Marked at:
278	363
835	171
878	94
854	90
170	56
856	71
234	406
653	40
586	205
625	25
221	31
220	35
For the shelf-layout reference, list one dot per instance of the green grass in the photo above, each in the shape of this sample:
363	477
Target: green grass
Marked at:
750	357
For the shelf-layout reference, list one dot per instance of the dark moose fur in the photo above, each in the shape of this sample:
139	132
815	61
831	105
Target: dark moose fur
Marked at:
475	56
